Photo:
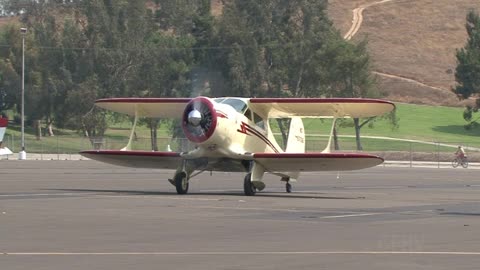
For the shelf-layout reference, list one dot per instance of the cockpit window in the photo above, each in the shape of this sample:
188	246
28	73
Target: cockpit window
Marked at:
238	104
219	100
248	114
258	121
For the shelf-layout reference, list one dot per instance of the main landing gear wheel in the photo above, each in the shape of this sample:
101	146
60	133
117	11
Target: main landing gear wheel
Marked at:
248	187
181	182
288	187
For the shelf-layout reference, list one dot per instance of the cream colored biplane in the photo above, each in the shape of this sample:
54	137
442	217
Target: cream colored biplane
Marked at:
234	135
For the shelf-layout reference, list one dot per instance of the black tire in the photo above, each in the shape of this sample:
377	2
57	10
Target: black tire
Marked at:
248	188
181	183
465	163
455	163
288	188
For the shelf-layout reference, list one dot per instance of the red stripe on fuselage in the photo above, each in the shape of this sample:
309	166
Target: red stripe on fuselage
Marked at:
245	129
221	114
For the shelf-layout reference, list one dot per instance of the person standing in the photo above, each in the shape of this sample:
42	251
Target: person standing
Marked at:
3	127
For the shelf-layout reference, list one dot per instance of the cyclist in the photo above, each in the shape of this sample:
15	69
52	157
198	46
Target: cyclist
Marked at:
460	153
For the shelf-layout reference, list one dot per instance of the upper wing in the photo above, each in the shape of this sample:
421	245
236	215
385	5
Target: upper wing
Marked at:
313	162
320	107
136	159
146	107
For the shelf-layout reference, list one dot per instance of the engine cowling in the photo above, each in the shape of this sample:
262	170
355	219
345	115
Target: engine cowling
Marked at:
199	119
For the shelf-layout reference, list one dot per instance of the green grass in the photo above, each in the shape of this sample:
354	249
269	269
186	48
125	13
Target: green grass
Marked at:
426	123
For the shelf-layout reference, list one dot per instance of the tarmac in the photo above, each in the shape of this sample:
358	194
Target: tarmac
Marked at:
87	215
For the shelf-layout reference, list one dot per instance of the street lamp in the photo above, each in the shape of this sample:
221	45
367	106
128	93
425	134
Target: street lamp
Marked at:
22	155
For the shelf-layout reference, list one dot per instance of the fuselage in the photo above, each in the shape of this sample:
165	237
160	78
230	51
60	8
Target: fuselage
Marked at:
230	128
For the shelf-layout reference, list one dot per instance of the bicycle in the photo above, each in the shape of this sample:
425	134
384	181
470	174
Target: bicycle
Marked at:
460	161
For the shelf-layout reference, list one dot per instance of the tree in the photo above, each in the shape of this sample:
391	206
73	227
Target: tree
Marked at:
350	76
82	114
10	67
168	75
9	85
467	73
271	48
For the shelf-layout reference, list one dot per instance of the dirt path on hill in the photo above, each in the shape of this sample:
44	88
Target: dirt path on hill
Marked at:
357	23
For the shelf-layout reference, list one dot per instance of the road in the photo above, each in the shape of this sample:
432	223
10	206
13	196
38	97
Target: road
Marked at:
86	215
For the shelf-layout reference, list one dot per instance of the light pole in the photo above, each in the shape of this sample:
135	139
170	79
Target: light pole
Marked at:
22	155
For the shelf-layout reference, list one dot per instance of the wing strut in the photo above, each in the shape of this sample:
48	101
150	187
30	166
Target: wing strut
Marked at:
328	149
129	145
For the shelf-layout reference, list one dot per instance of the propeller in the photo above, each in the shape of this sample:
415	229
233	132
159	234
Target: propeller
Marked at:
199	119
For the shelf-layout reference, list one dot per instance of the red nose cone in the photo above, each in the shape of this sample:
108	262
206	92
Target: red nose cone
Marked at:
201	128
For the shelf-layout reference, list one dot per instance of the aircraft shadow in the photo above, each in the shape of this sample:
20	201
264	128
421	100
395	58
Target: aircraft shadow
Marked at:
460	214
239	194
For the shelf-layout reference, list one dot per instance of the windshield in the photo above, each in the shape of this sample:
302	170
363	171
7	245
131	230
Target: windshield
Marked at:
238	104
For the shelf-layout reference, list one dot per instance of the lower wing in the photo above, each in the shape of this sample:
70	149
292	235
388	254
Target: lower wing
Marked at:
274	163
312	162
137	159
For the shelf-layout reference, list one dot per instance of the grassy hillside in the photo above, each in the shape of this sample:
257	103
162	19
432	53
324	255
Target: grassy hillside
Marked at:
428	123
413	39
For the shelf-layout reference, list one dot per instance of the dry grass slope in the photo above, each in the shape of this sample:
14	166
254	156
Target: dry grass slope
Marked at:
415	39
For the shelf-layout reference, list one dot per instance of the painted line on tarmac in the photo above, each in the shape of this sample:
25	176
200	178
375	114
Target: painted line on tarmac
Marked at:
376	187
100	195
273	209
353	215
46	194
346	214
220	190
237	253
183	198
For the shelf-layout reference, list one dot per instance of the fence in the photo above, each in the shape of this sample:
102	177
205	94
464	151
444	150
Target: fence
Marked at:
66	147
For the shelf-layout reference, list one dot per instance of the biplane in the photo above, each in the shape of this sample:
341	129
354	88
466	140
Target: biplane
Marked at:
234	135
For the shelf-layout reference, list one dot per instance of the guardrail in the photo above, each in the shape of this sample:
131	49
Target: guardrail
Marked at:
403	153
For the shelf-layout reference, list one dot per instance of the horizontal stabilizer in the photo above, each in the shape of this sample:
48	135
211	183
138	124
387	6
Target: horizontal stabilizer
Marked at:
320	107
314	162
136	159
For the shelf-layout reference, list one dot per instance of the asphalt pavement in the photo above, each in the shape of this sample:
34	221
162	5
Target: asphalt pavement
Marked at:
87	215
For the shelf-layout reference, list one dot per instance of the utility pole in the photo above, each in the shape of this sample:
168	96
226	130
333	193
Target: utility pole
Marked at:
22	155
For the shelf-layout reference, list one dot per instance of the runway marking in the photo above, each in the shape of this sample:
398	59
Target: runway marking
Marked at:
376	187
156	197
272	209
354	215
230	253
220	190
99	194
46	194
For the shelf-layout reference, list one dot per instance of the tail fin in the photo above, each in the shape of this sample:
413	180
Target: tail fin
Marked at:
296	136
